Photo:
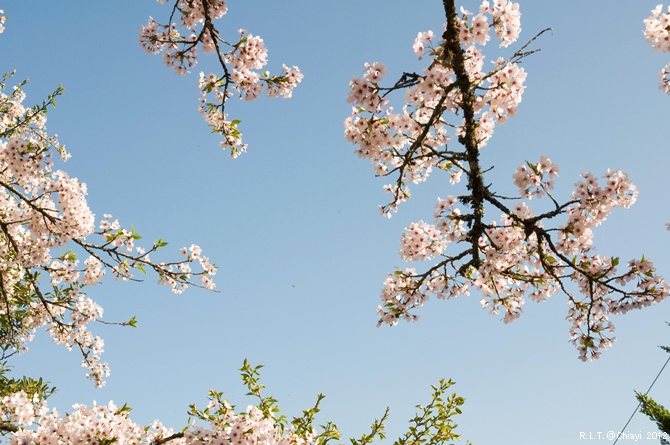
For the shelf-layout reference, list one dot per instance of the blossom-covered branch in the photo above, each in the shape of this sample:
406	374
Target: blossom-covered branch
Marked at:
526	254
30	421
46	225
241	62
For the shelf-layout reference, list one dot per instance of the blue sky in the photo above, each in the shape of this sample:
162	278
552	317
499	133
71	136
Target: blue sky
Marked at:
294	227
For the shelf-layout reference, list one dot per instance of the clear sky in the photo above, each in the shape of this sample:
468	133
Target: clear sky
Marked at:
294	226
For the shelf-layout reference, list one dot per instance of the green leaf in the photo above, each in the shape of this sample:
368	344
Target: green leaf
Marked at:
124	409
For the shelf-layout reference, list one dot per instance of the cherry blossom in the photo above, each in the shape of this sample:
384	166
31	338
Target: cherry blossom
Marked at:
46	226
421	241
530	178
422	39
32	422
50	239
242	63
657	33
389	138
522	254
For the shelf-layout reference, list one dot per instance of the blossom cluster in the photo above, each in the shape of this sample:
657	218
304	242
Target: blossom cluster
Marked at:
409	142
531	178
31	422
505	19
521	259
242	63
593	204
249	84
110	423
181	51
21	409
44	213
421	241
657	33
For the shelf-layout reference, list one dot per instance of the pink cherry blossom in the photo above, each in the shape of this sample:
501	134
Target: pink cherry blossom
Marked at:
657	33
48	226
242	64
523	254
